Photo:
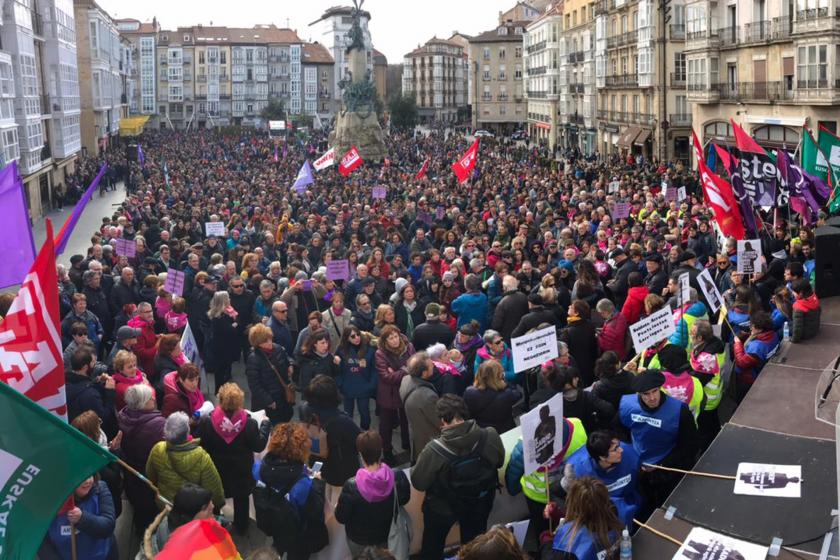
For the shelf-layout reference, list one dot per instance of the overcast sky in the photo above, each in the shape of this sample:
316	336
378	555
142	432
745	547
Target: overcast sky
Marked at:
396	27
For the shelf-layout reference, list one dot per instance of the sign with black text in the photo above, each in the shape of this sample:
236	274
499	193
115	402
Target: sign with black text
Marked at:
534	349
650	330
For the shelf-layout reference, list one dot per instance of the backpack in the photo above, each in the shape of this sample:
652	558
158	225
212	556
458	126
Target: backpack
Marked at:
467	478
292	516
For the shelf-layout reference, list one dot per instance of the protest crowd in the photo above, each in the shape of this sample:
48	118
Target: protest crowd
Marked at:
376	335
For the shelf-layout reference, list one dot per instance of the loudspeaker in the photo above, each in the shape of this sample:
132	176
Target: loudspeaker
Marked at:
827	271
833	221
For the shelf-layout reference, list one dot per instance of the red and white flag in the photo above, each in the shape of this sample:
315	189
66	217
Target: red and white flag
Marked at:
30	341
350	162
718	194
325	160
422	172
464	166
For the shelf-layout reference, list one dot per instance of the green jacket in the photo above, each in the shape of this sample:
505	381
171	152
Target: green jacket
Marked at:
170	466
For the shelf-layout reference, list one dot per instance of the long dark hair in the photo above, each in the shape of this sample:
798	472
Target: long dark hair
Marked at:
189	500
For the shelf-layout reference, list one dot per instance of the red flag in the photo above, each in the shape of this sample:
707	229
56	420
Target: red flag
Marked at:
745	141
30	344
349	162
725	157
718	194
464	166
422	172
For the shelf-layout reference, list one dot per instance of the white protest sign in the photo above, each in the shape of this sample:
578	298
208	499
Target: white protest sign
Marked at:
534	349
542	433
685	288
708	545
325	160
214	228
748	252
780	481
614	187
190	349
681	194
710	290
652	329
277	125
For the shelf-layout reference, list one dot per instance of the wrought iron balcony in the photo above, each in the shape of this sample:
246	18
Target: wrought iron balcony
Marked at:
536	47
677	31
755	91
677	79
622	80
679	119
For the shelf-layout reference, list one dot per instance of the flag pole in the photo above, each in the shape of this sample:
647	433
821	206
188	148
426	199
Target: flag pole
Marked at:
148	482
73	541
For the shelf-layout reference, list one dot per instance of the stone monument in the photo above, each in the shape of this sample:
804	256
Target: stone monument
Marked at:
356	123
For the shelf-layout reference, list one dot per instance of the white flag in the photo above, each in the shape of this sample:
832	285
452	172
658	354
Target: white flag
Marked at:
325	160
190	349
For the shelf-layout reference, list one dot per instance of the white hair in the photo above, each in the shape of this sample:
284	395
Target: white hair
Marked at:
435	351
176	428
510	283
137	396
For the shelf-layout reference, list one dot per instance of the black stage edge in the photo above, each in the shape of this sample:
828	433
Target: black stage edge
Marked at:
778	422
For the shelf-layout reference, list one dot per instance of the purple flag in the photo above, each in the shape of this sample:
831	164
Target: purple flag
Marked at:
304	177
141	157
16	244
276	157
747	212
67	229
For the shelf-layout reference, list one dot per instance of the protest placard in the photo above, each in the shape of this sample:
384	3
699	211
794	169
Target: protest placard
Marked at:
440	212
533	349
708	545
670	193
542	433
749	251
758	479
710	290
621	210
685	288
681	194
652	329
380	192
614	187
174	282
338	270
125	247
214	228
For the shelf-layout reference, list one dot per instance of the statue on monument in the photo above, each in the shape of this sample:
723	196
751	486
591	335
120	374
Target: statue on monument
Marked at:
357	122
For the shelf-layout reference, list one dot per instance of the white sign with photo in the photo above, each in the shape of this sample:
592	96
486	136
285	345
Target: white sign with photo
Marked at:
685	288
749	251
710	290
652	329
758	479
534	349
542	433
708	545
214	228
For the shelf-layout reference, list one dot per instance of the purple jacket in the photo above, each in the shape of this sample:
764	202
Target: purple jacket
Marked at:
142	429
388	389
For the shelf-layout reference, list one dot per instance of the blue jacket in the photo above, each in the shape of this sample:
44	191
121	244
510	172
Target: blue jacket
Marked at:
281	335
354	381
681	336
472	306
779	320
505	358
495	291
584	546
654	432
739	320
621	480
95	530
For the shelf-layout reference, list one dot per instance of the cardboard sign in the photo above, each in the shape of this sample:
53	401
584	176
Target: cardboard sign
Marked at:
652	329
708	545
670	193
125	247
621	210
780	481
380	192
542	433
533	349
681	194
174	282
710	290
685	288
214	228
614	187
440	212
338	270
749	251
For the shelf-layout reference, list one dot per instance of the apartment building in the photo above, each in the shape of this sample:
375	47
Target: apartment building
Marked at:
103	60
175	55
541	63
212	76
380	74
496	67
578	94
771	66
318	81
39	95
436	73
142	81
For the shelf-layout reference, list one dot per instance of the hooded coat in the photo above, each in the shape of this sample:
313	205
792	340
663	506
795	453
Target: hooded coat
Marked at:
366	504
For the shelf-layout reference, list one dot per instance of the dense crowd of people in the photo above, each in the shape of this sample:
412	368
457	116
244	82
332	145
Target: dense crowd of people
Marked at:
417	340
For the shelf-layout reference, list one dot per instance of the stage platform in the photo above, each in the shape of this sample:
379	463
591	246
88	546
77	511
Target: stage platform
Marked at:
779	422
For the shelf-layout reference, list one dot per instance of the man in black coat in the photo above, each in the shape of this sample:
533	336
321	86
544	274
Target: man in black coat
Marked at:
432	331
97	302
125	291
512	307
657	278
536	316
582	340
85	393
242	300
687	260
624	265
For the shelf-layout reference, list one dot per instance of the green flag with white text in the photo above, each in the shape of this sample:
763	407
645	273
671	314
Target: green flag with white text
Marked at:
822	159
42	460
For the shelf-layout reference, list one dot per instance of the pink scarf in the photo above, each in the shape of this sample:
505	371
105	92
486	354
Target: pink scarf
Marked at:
228	428
230	311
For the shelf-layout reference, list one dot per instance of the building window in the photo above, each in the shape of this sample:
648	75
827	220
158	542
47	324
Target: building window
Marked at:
776	133
486	72
502	53
486	53
517	52
518	72
679	66
812	67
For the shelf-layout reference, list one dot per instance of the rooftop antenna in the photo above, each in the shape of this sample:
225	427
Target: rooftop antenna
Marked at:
287	23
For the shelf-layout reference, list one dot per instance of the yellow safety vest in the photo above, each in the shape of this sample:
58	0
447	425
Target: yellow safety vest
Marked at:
714	388
534	484
696	396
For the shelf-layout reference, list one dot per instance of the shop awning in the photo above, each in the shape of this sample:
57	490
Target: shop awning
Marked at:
644	134
625	140
132	126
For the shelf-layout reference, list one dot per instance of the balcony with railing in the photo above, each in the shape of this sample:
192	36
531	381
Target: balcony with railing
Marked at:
817	19
576	87
677	31
576	118
702	92
622	80
603	115
487	96
575	57
679	120
818	91
644	119
702	39
619	116
503	97
537	94
755	91
622	40
536	47
537	70
677	80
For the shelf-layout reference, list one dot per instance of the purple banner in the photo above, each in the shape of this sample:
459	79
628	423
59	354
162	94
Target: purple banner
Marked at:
67	229
125	247
174	282
380	192
338	270
16	244
621	210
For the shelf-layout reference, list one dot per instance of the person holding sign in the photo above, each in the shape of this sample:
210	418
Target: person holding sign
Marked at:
662	431
754	349
684	317
591	528
707	359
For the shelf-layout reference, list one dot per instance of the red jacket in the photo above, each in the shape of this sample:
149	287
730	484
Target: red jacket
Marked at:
146	347
634	305
613	335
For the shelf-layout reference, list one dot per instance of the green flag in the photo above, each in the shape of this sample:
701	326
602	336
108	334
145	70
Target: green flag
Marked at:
42	460
830	148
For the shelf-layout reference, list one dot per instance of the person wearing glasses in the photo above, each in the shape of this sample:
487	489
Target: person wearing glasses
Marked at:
357	378
279	325
495	349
